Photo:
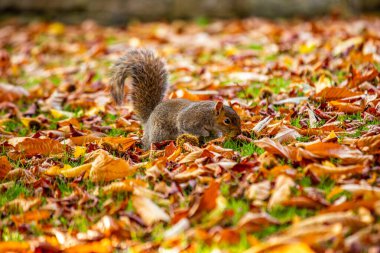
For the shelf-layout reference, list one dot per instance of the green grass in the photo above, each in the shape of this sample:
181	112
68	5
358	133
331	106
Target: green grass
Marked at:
279	84
63	186
117	132
202	21
13	192
355	116
257	47
31	82
242	245
286	214
347	194
244	148
303	138
56	80
326	185
296	122
16	127
239	207
11	236
80	223
269	230
305	181
252	91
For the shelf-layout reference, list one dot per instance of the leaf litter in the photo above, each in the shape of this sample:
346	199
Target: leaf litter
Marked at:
302	177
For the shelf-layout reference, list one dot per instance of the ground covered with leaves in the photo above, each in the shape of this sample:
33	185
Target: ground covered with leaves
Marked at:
302	177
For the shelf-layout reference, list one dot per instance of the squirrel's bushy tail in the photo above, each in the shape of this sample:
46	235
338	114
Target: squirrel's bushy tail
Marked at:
149	80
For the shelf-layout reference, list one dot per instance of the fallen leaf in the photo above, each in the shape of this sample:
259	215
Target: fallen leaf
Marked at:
5	167
11	93
149	211
32	146
281	191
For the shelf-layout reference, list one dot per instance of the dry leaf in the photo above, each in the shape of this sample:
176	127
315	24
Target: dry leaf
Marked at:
31	146
106	168
149	211
11	93
281	191
5	167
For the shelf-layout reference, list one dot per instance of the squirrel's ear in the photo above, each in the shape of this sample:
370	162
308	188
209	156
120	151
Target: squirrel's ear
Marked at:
218	108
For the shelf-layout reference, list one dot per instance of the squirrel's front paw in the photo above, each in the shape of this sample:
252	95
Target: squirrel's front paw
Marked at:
183	138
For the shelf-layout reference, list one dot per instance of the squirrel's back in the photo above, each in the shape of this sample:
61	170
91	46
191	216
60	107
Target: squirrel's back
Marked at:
149	80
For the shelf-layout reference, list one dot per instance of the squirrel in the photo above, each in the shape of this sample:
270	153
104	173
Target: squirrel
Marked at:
166	120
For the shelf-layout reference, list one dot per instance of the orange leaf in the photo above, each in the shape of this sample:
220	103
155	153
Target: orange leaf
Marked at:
92	247
32	146
30	216
334	93
346	107
208	200
11	93
14	246
370	145
325	169
5	166
118	143
106	167
329	149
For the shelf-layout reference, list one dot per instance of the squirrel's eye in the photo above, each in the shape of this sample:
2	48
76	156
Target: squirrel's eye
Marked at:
227	121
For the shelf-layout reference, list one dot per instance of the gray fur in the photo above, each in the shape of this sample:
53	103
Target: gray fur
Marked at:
149	80
166	120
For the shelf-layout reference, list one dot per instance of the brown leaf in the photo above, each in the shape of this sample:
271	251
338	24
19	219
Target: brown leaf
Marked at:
252	222
30	216
335	93
331	169
346	107
328	149
281	191
148	210
91	247
5	167
357	77
278	149
118	143
11	93
106	167
208	200
369	145
31	146
286	134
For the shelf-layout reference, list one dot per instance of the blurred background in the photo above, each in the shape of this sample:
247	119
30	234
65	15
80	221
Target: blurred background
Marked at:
122	11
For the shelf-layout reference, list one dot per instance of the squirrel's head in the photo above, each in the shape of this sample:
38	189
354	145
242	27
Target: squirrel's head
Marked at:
227	120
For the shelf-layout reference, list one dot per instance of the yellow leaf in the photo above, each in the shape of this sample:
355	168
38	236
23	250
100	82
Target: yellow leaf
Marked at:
56	28
76	171
322	83
53	171
94	111
331	137
79	151
293	248
30	122
106	167
307	48
58	114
